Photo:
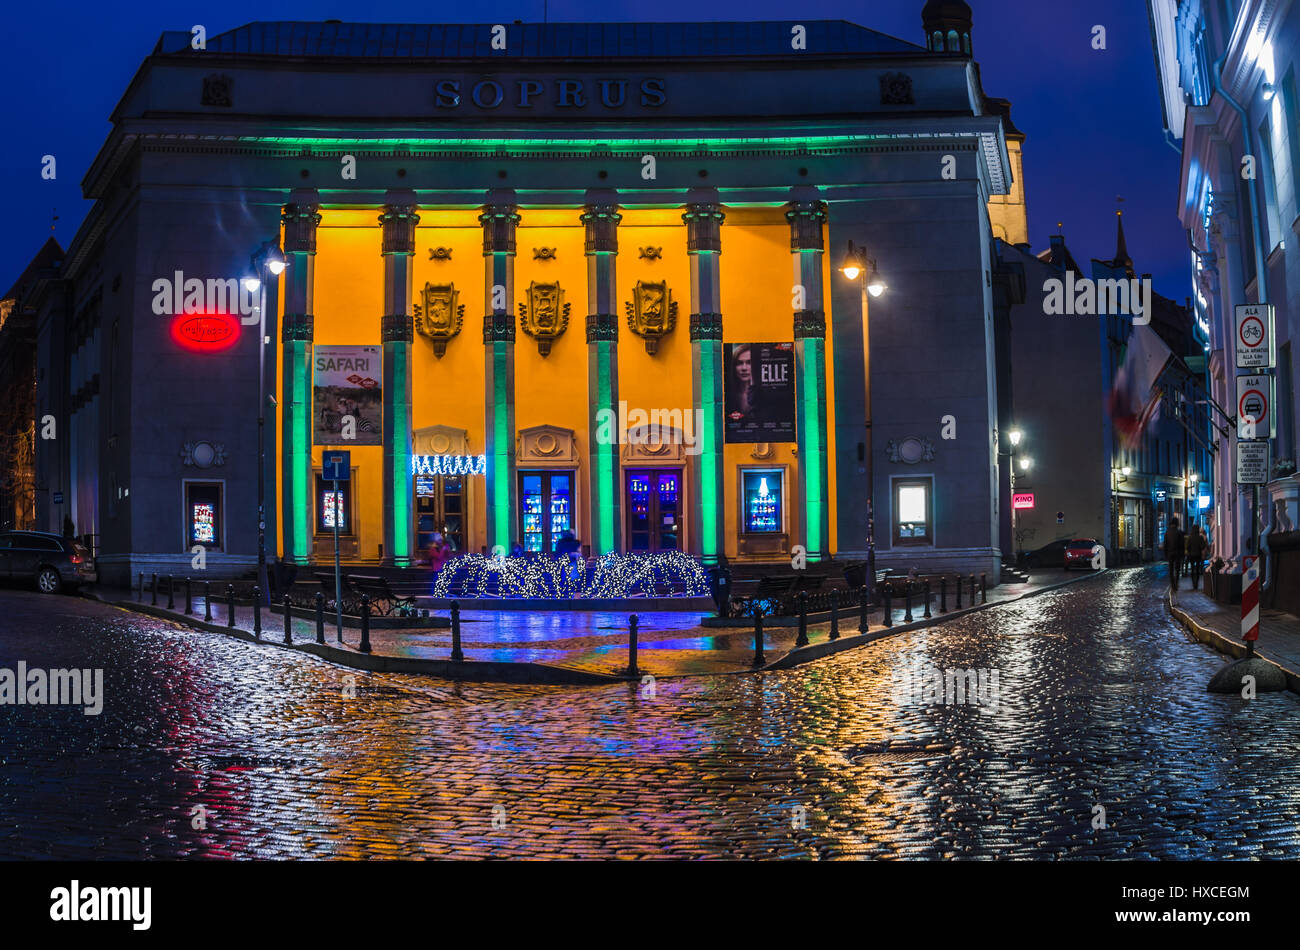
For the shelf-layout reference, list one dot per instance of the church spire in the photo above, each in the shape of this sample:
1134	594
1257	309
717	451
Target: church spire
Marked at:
1121	247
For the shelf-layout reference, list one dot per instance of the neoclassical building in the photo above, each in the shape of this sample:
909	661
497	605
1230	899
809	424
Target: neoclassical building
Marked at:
538	279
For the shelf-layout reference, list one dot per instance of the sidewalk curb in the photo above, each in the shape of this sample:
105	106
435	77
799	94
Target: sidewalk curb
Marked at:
472	670
1217	641
816	651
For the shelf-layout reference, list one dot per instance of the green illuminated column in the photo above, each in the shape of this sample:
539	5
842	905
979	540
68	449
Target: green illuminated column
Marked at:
499	220
300	219
399	220
601	218
703	219
806	218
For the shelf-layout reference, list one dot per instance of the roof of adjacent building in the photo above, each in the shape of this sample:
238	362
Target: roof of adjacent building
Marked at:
759	39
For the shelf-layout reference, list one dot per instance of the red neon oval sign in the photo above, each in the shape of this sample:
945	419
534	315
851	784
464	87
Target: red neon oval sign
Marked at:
205	332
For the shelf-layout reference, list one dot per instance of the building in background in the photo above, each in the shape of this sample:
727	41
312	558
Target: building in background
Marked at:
1228	79
639	217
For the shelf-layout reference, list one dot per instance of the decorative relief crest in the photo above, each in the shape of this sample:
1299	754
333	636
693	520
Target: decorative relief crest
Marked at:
896	90
439	315
651	253
651	313
911	450
203	454
218	90
439	253
544	315
544	253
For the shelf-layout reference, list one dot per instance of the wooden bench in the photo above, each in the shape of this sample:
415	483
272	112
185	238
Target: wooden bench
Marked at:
349	597
382	597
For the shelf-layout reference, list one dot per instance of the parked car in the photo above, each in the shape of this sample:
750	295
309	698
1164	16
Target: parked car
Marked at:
1049	555
51	562
1080	552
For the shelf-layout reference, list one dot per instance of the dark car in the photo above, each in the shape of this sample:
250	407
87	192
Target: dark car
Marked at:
50	562
1049	555
1082	552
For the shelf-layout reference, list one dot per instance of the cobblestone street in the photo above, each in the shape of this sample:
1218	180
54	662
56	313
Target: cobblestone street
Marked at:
1102	703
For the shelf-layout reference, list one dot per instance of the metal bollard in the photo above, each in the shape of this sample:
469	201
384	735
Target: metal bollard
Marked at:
927	613
189	598
288	620
958	607
320	617
889	606
759	658
365	624
207	602
864	623
230	605
171	591
984	589
257	613
943	593
632	622
139	597
802	639
457	655
835	614
907	599
972	590
153	590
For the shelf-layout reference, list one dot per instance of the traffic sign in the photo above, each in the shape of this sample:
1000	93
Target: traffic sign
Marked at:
58	497
1254	407
336	466
1060	517
1252	463
1254	340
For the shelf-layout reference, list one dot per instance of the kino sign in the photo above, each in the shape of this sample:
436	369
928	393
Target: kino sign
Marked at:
1254	339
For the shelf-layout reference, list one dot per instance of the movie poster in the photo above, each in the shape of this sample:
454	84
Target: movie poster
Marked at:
347	381
759	393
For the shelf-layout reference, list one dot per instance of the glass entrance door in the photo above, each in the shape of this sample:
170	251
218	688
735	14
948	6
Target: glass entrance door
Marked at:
546	509
440	508
653	507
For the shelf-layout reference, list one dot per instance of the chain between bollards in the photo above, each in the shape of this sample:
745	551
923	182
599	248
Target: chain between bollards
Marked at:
835	614
171	591
230	605
802	639
257	613
632	623
759	658
320	617
864	623
365	624
927	613
207	602
288	620
457	655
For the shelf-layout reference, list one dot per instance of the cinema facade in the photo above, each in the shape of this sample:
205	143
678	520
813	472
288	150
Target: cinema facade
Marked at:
539	279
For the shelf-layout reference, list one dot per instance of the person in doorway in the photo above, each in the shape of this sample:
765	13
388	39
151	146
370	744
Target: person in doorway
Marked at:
1196	554
439	552
568	545
1174	555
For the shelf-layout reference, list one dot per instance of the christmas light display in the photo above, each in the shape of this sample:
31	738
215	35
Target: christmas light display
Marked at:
614	575
448	464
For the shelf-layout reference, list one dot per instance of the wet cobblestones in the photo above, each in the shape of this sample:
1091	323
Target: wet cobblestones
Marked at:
1102	704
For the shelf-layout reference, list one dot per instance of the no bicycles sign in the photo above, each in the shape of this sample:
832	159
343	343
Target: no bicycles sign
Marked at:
1254	339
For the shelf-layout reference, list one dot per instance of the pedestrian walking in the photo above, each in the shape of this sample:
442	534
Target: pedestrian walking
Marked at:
1174	556
1196	554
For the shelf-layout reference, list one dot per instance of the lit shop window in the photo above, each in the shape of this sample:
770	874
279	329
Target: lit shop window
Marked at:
546	505
762	501
332	506
913	512
203	515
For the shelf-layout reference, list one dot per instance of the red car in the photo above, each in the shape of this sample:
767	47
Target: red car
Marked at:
1082	552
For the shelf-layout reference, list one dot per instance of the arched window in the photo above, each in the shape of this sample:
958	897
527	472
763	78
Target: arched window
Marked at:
936	41
952	42
965	43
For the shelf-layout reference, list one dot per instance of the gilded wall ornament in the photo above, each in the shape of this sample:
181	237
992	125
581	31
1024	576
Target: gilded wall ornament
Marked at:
544	315
439	253
651	253
544	253
439	315
651	313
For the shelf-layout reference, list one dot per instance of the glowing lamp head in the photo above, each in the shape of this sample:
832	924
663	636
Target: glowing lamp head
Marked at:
252	284
1025	463
1193	478
851	271
875	283
276	267
1014	436
1126	471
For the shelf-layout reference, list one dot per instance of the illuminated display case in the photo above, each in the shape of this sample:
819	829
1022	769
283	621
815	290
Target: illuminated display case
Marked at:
331	504
203	514
762	503
546	509
653	499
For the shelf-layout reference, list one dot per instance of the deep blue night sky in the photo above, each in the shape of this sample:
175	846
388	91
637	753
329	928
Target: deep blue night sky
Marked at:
1092	117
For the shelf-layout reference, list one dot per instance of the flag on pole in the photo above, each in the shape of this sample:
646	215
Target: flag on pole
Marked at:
1134	398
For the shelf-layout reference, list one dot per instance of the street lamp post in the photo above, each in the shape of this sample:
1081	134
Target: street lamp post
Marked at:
1013	437
857	266
268	262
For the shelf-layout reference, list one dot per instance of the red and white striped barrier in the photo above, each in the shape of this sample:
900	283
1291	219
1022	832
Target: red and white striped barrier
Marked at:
1250	598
